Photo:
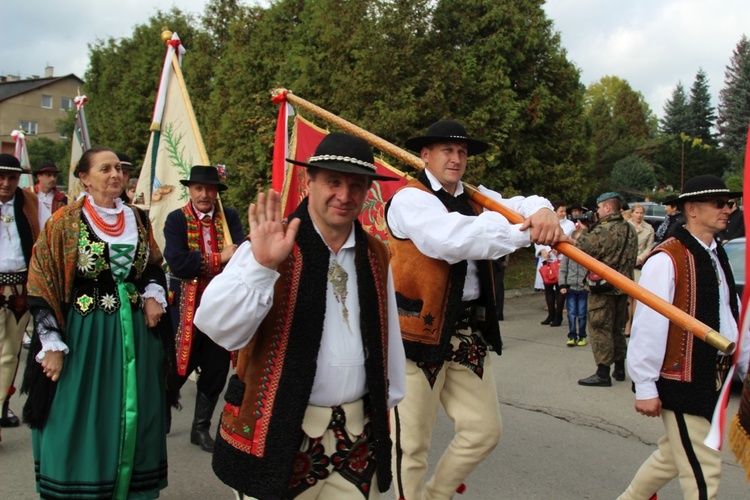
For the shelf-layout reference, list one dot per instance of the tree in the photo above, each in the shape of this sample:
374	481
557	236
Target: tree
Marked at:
633	177
702	114
618	120
44	148
734	100
122	81
679	157
392	67
676	112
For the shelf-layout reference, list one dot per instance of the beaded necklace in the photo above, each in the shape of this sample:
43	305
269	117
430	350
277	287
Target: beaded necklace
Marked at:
115	229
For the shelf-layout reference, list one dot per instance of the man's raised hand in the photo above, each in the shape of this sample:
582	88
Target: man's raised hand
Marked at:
271	243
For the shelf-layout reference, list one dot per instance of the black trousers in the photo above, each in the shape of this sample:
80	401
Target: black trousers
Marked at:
206	355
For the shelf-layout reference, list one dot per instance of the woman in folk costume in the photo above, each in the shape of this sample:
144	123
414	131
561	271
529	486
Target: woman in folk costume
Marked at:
96	369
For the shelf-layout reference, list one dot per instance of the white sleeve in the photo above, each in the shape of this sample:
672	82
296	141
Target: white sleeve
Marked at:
237	300
156	292
648	335
396	355
450	236
525	206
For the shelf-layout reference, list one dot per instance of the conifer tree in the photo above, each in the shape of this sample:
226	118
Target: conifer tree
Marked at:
676	112
702	115
734	100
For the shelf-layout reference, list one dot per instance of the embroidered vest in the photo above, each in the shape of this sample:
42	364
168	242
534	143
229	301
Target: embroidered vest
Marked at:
688	378
260	429
429	293
191	289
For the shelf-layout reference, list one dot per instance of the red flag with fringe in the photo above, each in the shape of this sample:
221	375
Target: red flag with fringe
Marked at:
305	138
739	430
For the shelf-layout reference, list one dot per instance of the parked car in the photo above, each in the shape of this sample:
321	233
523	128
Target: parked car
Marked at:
736	252
653	213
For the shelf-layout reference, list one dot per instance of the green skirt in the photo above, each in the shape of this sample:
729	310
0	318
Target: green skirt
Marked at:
77	453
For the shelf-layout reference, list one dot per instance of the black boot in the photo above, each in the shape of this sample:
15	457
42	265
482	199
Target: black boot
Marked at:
8	419
200	434
548	320
600	379
619	372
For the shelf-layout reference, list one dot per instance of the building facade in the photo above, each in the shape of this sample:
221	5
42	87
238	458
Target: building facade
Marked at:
35	104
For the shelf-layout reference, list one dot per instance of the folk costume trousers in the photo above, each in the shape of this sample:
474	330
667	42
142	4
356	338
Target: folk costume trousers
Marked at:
682	454
314	475
470	402
11	336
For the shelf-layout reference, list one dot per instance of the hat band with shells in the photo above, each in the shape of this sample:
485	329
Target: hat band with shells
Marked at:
345	159
705	191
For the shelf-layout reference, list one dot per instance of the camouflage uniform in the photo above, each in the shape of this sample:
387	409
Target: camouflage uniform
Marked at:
608	312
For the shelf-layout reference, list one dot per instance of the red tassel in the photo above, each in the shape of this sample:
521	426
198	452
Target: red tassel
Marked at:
460	490
654	497
11	390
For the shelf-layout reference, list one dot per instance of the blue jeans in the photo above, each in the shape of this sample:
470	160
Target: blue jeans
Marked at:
577	302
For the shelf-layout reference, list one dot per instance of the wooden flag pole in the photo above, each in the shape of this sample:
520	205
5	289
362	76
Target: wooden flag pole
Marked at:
677	316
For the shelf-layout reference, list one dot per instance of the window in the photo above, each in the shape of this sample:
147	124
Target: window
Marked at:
30	128
66	103
47	101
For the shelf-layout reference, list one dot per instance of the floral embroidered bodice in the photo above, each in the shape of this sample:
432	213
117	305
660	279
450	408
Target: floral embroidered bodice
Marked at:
101	266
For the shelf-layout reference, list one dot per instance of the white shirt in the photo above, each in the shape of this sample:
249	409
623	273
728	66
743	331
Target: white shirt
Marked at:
206	230
46	199
236	301
648	335
11	251
453	237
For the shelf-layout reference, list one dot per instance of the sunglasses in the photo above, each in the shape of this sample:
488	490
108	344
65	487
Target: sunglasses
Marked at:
718	203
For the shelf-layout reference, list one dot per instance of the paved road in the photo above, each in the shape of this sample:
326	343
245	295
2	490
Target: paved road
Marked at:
560	440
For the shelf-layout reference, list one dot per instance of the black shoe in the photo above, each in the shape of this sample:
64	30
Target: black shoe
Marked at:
8	418
547	321
599	379
619	372
596	381
555	323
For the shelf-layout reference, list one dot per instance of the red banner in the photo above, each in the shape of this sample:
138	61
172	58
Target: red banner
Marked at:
305	139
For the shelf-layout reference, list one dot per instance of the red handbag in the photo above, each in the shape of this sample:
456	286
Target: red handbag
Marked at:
549	272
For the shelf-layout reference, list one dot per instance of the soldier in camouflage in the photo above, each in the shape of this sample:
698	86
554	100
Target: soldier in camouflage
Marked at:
612	241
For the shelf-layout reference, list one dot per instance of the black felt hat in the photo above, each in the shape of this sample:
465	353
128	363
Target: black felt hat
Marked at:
125	162
575	206
204	175
447	131
46	167
9	163
702	186
344	153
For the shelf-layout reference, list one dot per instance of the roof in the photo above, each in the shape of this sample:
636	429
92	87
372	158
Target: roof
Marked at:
17	87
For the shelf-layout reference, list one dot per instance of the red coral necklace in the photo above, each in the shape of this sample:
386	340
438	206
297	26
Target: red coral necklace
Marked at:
115	229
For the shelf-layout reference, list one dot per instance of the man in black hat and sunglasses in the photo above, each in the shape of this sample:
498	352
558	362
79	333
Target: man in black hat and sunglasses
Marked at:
196	251
442	247
310	305
676	375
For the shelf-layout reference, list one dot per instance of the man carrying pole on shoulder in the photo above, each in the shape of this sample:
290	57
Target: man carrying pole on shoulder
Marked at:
677	376
442	247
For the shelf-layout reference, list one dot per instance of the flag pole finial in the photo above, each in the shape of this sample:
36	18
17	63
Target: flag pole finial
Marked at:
166	35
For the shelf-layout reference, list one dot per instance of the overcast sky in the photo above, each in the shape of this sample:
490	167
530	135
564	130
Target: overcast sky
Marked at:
652	44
